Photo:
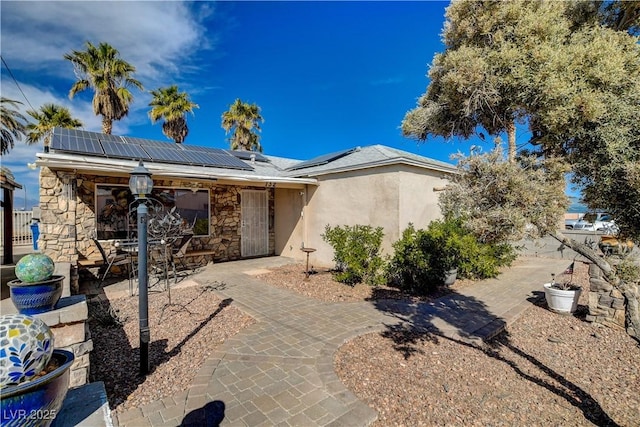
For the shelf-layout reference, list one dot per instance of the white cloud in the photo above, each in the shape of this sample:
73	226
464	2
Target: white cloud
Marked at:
161	39
157	37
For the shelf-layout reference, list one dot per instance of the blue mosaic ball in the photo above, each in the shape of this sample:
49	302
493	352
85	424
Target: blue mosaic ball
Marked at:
26	346
35	268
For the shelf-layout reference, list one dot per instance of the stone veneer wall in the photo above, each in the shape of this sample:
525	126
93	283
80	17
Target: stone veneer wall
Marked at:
58	205
606	304
68	218
71	332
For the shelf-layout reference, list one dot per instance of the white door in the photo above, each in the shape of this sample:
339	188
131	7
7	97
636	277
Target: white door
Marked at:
254	237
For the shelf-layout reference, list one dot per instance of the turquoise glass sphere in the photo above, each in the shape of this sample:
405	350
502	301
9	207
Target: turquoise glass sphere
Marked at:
34	268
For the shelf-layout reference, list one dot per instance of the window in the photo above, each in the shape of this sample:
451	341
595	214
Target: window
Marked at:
115	221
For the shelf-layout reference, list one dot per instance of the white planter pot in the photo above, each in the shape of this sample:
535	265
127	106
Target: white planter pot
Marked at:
450	277
561	301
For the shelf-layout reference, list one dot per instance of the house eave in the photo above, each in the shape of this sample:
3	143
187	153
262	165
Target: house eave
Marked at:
408	162
92	165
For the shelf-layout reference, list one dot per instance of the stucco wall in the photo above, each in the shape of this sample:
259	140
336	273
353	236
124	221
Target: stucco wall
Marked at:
389	197
289	204
418	200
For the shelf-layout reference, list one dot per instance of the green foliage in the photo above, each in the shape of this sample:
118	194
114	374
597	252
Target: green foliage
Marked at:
628	269
571	70
101	69
12	124
356	253
243	121
503	201
172	106
48	117
409	266
422	257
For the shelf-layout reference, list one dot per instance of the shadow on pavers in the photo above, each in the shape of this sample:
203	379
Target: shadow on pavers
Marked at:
210	415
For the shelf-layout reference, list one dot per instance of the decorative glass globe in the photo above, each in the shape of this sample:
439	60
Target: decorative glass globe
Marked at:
26	346
35	268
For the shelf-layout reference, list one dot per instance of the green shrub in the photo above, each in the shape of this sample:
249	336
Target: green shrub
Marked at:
409	265
422	257
356	253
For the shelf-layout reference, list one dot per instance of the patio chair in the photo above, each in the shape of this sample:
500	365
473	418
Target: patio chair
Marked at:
116	259
178	253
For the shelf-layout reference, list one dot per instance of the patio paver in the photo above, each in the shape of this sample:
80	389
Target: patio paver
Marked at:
279	371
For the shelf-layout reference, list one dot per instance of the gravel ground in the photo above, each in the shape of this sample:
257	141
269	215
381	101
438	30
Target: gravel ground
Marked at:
546	369
183	335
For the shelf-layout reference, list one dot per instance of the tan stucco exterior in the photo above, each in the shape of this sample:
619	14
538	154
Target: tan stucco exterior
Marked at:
387	196
376	185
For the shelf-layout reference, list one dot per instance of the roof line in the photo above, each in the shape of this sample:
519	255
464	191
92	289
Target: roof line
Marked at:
391	161
96	164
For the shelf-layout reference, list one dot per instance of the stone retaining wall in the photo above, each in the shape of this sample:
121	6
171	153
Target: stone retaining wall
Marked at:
606	304
68	322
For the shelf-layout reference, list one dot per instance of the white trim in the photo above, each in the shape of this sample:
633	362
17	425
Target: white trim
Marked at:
95	165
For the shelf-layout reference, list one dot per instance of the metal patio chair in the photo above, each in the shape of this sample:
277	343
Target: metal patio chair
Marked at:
117	258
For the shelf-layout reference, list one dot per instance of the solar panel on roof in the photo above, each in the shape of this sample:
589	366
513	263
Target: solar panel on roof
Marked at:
321	160
145	142
165	154
217	157
103	137
76	141
246	155
226	160
213	150
125	151
195	158
97	144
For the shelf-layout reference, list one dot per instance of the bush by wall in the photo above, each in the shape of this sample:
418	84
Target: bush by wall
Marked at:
356	253
422	257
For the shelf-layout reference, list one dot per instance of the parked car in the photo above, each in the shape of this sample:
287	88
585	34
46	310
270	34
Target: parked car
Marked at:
570	223
596	221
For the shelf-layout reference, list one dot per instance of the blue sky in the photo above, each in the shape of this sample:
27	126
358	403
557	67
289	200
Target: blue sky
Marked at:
327	75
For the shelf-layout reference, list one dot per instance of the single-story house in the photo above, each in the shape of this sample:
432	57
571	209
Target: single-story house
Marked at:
241	204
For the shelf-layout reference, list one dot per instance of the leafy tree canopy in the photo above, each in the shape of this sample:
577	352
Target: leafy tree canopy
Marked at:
570	70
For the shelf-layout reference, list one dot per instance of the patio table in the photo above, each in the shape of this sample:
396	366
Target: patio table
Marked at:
157	253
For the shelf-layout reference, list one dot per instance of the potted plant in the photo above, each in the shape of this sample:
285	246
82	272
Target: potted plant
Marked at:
36	289
562	297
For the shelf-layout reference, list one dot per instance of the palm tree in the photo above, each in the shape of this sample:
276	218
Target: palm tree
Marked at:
171	106
101	68
12	124
48	117
244	119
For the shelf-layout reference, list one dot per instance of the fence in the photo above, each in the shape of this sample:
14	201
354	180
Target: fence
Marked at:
21	228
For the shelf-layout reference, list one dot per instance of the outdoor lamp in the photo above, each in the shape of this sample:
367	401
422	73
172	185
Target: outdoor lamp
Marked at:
140	185
140	182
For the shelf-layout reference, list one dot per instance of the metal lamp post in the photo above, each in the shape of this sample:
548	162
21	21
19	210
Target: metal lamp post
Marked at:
141	185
